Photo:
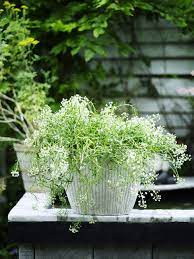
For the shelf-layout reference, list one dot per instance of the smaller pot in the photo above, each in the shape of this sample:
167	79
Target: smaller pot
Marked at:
24	157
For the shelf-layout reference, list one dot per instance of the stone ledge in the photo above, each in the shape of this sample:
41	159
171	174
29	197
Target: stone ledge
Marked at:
184	183
34	207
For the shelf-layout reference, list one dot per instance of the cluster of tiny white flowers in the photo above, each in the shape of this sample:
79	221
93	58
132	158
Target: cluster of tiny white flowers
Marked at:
74	228
44	117
77	135
142	201
78	103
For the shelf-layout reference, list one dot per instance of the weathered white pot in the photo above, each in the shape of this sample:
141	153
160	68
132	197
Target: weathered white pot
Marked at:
24	157
104	198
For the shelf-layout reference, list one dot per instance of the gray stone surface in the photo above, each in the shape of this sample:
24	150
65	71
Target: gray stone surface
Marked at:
184	183
35	208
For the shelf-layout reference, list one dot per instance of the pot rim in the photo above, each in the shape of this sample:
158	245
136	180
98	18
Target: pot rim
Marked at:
21	147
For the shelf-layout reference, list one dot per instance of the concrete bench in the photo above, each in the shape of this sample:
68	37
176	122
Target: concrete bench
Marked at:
43	232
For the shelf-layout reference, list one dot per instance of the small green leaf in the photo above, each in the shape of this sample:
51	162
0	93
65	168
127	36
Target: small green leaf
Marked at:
84	27
114	6
100	3
97	32
75	51
88	54
70	26
59	48
99	50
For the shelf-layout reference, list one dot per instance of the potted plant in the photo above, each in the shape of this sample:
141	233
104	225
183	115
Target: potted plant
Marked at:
21	95
12	115
20	124
99	157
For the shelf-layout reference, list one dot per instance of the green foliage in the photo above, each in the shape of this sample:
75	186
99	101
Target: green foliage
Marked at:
74	33
18	78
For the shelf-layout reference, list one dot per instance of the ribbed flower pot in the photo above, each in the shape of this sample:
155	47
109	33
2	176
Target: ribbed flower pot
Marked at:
109	196
24	157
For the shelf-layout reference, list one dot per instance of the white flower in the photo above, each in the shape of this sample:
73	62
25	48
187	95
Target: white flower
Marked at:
73	229
15	173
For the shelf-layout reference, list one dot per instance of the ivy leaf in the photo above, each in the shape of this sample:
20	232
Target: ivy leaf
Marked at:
97	32
88	54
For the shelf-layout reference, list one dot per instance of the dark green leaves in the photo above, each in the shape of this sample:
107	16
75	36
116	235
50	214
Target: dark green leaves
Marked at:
59	48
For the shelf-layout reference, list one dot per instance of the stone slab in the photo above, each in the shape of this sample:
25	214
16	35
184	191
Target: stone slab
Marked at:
34	207
184	183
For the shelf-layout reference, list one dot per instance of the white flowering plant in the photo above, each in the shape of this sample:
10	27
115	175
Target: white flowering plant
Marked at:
79	136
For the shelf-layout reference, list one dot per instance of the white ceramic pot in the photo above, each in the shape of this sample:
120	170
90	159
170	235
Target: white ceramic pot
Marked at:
106	197
24	157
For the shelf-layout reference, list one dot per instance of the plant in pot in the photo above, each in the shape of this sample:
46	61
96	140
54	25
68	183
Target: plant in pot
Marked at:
12	115
100	158
21	95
